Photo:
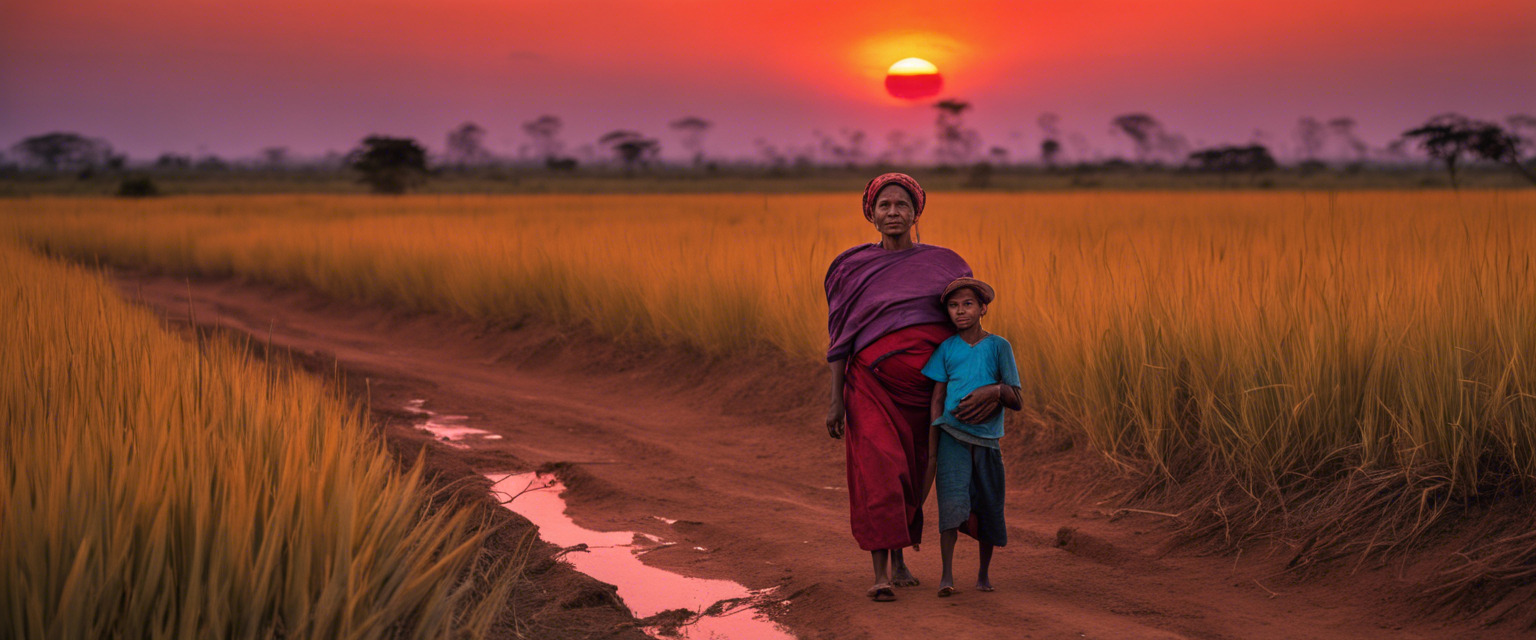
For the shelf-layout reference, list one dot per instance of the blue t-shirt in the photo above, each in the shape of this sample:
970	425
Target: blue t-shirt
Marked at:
965	368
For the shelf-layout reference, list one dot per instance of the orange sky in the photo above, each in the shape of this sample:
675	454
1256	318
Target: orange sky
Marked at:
179	75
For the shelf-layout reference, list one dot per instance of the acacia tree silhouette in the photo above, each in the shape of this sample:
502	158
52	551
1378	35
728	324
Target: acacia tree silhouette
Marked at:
1149	137
956	143
1492	143
1449	137
1343	128
390	165
631	148
1230	159
466	145
1050	147
1523	125
275	157
64	150
1310	136
545	133
692	129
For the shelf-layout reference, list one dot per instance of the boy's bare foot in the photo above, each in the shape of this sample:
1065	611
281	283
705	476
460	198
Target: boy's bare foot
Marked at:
881	593
904	578
945	592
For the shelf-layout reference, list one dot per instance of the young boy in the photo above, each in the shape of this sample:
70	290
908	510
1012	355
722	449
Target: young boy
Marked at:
975	373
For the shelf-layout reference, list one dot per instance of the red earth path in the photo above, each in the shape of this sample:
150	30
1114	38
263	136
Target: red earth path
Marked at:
735	452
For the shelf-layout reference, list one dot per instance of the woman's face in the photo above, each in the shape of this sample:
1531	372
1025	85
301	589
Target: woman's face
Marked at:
893	215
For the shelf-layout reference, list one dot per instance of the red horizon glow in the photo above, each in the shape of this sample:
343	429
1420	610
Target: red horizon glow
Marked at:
182	75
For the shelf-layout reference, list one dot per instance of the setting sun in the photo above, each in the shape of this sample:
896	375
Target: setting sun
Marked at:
913	79
912	67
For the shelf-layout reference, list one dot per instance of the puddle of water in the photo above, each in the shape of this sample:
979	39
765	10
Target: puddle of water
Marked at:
613	558
447	428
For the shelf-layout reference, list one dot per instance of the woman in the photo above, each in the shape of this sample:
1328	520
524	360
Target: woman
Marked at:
884	321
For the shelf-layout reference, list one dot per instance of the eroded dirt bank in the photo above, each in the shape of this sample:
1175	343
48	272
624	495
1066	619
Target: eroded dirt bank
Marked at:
733	451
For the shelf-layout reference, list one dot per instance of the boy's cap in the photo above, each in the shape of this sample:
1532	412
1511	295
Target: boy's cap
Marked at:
982	289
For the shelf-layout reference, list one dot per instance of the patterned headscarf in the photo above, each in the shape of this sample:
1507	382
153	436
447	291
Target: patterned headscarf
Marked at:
900	179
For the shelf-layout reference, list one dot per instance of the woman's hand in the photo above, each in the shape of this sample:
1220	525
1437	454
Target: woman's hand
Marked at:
980	405
835	416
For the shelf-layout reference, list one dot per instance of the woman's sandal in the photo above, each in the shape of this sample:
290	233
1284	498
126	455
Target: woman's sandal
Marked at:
882	593
945	592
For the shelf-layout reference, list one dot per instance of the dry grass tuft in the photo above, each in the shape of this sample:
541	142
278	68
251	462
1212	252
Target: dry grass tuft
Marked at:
154	488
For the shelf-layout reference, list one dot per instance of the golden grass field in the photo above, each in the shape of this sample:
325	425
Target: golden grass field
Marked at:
152	488
1270	340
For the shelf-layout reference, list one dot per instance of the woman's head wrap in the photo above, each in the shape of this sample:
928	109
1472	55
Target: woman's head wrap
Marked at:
914	190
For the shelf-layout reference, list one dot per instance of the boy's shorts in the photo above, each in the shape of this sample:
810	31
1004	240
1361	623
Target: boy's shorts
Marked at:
970	488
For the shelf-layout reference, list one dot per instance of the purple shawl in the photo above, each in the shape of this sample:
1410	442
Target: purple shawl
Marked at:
872	292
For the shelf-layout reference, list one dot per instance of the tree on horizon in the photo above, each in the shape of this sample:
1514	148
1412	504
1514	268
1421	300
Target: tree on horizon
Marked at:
1449	137
631	148
1050	145
389	165
956	143
67	151
466	145
1149	138
1251	158
544	132
1311	135
1050	150
691	130
1343	128
275	157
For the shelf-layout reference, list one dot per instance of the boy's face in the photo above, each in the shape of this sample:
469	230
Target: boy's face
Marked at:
965	309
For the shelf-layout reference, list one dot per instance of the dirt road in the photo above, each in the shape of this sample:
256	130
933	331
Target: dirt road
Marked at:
734	452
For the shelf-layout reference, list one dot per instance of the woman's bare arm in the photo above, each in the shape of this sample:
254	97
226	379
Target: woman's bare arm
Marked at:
933	465
836	413
936	405
935	410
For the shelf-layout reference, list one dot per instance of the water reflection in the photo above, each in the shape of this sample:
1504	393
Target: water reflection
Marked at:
447	429
613	557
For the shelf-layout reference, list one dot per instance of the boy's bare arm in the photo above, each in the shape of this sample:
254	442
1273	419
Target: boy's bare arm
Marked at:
1011	397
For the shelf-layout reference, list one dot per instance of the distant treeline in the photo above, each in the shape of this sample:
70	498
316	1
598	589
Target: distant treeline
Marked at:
398	164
